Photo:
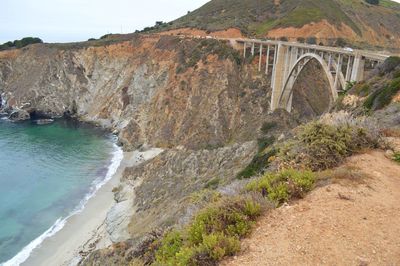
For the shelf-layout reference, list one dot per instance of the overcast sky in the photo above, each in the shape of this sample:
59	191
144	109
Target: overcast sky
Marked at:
77	20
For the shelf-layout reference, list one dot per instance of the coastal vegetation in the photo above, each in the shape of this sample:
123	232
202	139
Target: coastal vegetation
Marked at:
396	157
216	230
263	17
281	171
191	56
20	43
283	186
325	144
378	92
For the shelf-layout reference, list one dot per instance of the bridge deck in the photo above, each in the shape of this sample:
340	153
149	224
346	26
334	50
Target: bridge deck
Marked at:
372	55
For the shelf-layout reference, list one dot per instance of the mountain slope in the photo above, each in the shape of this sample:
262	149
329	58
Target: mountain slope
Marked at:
353	20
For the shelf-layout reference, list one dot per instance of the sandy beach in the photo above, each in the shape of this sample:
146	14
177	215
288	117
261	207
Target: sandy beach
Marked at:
85	231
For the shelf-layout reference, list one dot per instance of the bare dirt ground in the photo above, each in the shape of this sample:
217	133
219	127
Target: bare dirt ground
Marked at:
344	223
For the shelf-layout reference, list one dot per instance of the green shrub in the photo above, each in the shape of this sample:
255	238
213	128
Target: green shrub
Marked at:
301	39
214	233
341	42
202	49
362	89
389	65
171	244
20	43
212	183
260	160
319	146
218	245
382	98
311	40
396	157
349	85
372	2
267	126
284	185
205	195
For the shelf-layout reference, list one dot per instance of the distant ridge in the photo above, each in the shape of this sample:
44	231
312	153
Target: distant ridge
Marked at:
353	20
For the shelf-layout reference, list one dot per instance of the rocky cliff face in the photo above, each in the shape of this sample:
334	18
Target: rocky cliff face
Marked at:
196	99
158	91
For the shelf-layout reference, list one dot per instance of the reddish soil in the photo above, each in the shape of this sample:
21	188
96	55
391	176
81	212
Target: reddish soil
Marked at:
344	223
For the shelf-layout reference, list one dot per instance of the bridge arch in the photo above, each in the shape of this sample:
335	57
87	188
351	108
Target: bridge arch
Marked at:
285	99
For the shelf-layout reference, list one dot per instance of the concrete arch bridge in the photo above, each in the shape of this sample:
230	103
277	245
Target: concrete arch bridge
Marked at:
284	61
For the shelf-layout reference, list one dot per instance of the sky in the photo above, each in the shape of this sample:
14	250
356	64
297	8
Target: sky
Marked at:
79	20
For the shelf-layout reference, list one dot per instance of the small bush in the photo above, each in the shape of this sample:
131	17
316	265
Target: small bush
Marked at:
258	164
284	185
372	2
362	89
301	40
214	233
396	157
260	161
267	126
205	195
311	40
389	65
171	244
201	50
213	183
349	85
218	245
341	42
324	144
382	98
20	43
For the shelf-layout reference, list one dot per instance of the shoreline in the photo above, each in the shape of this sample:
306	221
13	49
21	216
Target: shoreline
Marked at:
85	231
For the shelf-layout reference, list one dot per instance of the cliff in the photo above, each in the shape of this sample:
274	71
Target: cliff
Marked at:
158	91
197	99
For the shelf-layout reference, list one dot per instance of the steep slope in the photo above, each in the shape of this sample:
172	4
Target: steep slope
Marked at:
159	91
360	227
355	21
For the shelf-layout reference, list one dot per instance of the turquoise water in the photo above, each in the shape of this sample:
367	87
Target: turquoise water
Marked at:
45	173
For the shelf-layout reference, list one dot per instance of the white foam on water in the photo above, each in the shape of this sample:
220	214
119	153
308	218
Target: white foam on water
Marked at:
24	254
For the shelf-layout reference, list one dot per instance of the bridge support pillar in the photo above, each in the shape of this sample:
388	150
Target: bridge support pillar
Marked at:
278	75
267	61
357	73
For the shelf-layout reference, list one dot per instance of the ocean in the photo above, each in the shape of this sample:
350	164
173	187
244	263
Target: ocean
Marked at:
47	174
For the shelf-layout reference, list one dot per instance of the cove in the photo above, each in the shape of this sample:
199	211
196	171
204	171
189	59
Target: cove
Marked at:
47	173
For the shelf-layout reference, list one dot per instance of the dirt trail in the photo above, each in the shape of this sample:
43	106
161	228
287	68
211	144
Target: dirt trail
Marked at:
340	224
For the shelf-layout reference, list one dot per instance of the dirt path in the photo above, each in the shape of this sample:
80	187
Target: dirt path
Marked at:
339	224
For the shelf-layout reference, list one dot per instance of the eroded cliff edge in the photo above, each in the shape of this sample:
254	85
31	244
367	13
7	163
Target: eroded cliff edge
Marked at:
162	91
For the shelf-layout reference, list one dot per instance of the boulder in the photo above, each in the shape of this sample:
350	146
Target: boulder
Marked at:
19	115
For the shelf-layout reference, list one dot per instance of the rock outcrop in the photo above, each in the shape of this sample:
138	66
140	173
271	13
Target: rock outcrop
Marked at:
163	192
161	91
19	115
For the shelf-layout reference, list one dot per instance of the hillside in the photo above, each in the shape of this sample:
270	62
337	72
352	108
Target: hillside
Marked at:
355	21
354	230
